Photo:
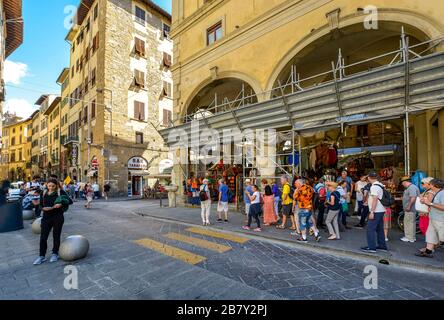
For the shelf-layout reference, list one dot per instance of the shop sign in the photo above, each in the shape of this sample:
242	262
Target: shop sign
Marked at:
137	163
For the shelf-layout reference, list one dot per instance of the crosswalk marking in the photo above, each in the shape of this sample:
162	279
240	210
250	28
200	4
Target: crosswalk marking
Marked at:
215	234
198	242
170	251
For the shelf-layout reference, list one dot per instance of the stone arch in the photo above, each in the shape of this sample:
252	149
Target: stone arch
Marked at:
431	29
250	81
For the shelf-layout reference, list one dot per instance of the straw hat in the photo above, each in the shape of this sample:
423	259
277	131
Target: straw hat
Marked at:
405	178
332	184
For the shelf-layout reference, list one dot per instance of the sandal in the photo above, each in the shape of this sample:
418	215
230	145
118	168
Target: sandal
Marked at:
293	228
280	227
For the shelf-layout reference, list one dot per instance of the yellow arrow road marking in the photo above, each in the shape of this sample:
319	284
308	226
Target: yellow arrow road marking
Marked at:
199	242
215	234
170	251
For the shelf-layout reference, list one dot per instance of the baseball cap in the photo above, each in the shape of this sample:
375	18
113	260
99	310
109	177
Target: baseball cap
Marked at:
372	174
405	178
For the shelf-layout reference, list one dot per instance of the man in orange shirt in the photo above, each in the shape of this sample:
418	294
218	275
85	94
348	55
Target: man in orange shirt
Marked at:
304	198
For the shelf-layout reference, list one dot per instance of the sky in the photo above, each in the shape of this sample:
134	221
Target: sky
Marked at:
32	70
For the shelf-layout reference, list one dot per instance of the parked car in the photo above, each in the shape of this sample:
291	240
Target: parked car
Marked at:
16	193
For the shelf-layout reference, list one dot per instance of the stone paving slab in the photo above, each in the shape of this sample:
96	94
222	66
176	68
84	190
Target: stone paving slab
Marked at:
116	268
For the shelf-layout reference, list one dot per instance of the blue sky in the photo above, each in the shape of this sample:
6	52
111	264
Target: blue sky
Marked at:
33	68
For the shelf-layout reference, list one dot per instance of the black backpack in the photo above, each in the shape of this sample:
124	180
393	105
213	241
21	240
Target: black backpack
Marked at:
387	199
203	196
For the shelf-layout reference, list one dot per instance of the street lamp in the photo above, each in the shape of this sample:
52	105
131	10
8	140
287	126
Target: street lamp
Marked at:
110	110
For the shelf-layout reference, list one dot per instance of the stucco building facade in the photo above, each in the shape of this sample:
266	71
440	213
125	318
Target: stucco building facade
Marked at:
245	52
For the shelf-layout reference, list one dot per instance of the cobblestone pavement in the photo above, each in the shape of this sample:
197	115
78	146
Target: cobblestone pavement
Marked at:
134	257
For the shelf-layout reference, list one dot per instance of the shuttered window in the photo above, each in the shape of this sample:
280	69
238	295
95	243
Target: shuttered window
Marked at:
139	110
167	89
167	60
167	117
139	78
139	47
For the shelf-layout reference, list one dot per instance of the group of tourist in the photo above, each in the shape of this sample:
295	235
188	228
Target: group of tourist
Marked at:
306	208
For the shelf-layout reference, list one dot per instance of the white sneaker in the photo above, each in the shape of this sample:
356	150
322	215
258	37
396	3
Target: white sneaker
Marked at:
54	258
386	239
404	239
39	260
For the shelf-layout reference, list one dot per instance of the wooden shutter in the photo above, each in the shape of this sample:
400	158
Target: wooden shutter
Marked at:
93	109
166	117
167	60
140	47
139	78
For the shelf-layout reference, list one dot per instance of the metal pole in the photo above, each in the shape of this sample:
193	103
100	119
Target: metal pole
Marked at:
407	144
300	154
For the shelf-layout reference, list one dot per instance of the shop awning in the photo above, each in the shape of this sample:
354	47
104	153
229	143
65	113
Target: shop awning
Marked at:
376	95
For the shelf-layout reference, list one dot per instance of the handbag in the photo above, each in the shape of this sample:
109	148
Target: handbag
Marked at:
345	207
421	207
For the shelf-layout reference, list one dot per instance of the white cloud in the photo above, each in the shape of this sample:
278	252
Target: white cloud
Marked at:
21	107
15	71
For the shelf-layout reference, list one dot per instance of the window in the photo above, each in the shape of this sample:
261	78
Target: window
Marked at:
13	141
140	15
166	31
20	155
86	85
96	12
167	117
56	134
13	157
77	65
93	77
139	138
95	44
85	115
139	78
139	110
20	139
139	47
167	60
72	72
87	25
93	109
214	33
167	90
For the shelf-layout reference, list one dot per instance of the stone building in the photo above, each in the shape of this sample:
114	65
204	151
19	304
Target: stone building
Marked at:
15	163
335	71
120	93
44	153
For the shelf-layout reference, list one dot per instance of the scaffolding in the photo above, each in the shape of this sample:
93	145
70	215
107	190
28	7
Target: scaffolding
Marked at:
411	82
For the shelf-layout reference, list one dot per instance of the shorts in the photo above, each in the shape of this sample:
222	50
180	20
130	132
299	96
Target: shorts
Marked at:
305	219
222	206
287	210
388	218
435	232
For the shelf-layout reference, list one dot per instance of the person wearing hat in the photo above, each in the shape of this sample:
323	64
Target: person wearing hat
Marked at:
435	231
247	193
411	192
375	226
205	205
428	194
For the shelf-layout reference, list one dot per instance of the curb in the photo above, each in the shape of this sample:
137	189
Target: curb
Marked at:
326	250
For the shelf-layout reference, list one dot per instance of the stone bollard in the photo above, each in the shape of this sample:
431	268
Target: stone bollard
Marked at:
172	189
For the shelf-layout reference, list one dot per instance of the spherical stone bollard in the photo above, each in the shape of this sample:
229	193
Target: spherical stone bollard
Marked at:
36	226
28	214
74	248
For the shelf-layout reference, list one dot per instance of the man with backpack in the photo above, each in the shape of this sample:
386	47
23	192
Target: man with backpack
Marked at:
205	202
277	194
375	227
